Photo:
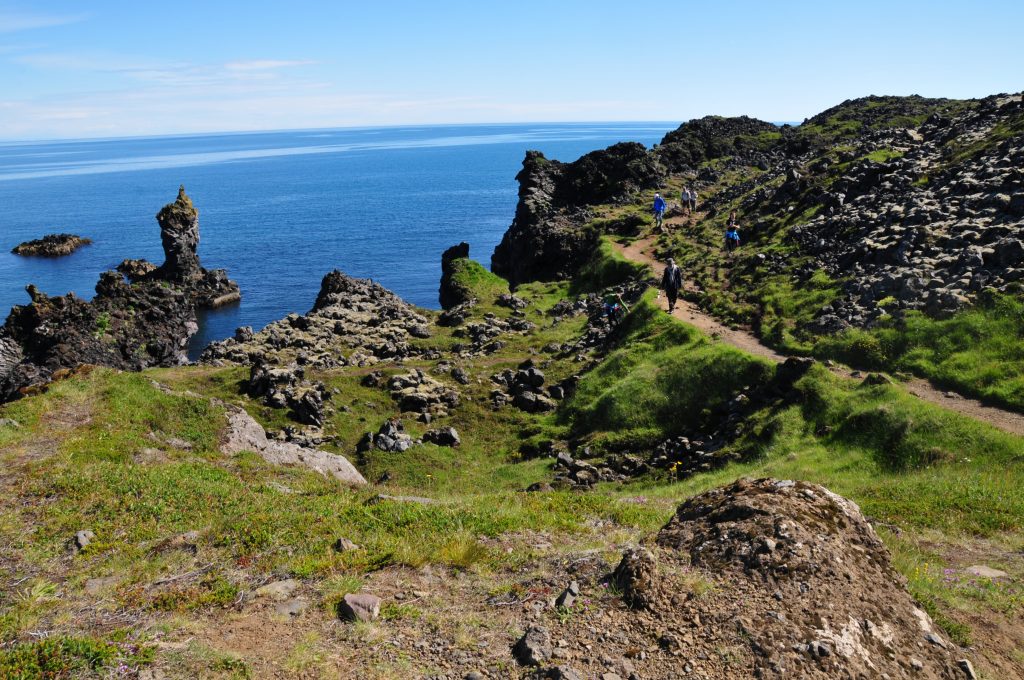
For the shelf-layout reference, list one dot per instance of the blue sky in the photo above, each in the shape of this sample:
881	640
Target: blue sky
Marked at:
101	68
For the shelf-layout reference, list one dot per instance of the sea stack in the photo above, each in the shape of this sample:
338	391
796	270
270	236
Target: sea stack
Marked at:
132	325
179	233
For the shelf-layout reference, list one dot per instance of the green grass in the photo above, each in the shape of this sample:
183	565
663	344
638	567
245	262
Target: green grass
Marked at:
66	656
665	377
73	465
978	352
471	279
606	267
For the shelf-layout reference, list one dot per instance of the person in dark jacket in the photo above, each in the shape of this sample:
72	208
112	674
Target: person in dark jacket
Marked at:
671	283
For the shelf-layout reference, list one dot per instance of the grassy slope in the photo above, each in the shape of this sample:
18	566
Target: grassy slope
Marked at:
977	352
84	458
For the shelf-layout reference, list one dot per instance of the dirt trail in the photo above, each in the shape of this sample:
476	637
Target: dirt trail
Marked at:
642	250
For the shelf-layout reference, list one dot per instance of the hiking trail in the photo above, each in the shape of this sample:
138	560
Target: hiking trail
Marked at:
642	250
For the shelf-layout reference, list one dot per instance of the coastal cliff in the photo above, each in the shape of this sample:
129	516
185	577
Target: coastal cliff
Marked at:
549	238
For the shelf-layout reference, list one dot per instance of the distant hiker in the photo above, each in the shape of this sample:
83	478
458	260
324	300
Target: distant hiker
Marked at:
671	282
693	200
614	308
659	210
732	233
684	199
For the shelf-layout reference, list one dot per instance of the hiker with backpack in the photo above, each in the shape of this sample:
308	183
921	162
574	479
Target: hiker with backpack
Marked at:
614	308
659	210
732	233
671	283
693	201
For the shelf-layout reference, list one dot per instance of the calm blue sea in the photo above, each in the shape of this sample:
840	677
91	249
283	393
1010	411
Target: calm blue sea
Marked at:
279	209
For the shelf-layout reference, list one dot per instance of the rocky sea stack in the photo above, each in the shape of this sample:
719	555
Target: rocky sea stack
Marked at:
126	325
51	245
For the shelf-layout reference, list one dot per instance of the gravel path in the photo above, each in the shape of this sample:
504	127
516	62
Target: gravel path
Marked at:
642	250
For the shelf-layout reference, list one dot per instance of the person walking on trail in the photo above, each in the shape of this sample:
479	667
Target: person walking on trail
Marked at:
684	199
659	210
614	308
671	283
693	201
732	233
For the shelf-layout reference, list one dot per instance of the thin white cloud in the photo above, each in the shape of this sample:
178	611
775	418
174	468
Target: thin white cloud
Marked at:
11	22
265	64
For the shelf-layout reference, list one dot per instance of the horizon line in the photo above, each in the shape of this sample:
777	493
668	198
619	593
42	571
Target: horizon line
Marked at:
220	133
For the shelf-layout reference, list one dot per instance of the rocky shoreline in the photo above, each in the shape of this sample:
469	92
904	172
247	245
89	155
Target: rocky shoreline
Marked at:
127	325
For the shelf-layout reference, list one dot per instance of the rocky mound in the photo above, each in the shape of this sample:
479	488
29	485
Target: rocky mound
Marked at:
547	239
126	326
765	579
51	245
710	137
353	322
801	584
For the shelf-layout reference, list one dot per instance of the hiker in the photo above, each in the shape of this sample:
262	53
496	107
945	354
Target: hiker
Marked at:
732	233
671	282
614	308
659	210
693	201
684	199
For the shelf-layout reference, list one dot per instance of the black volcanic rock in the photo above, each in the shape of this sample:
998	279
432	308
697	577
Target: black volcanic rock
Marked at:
51	245
450	295
353	321
710	137
612	174
129	326
179	233
126	327
136	270
549	238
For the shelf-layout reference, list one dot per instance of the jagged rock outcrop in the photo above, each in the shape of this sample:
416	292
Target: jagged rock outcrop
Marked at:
353	322
126	326
449	294
710	137
548	239
179	234
51	245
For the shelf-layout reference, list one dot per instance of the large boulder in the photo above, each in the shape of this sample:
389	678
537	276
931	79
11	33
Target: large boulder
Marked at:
245	434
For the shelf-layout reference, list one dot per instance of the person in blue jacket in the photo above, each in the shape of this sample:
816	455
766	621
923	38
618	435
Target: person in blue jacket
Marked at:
659	210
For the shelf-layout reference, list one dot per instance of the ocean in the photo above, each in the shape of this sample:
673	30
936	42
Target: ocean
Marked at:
278	210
